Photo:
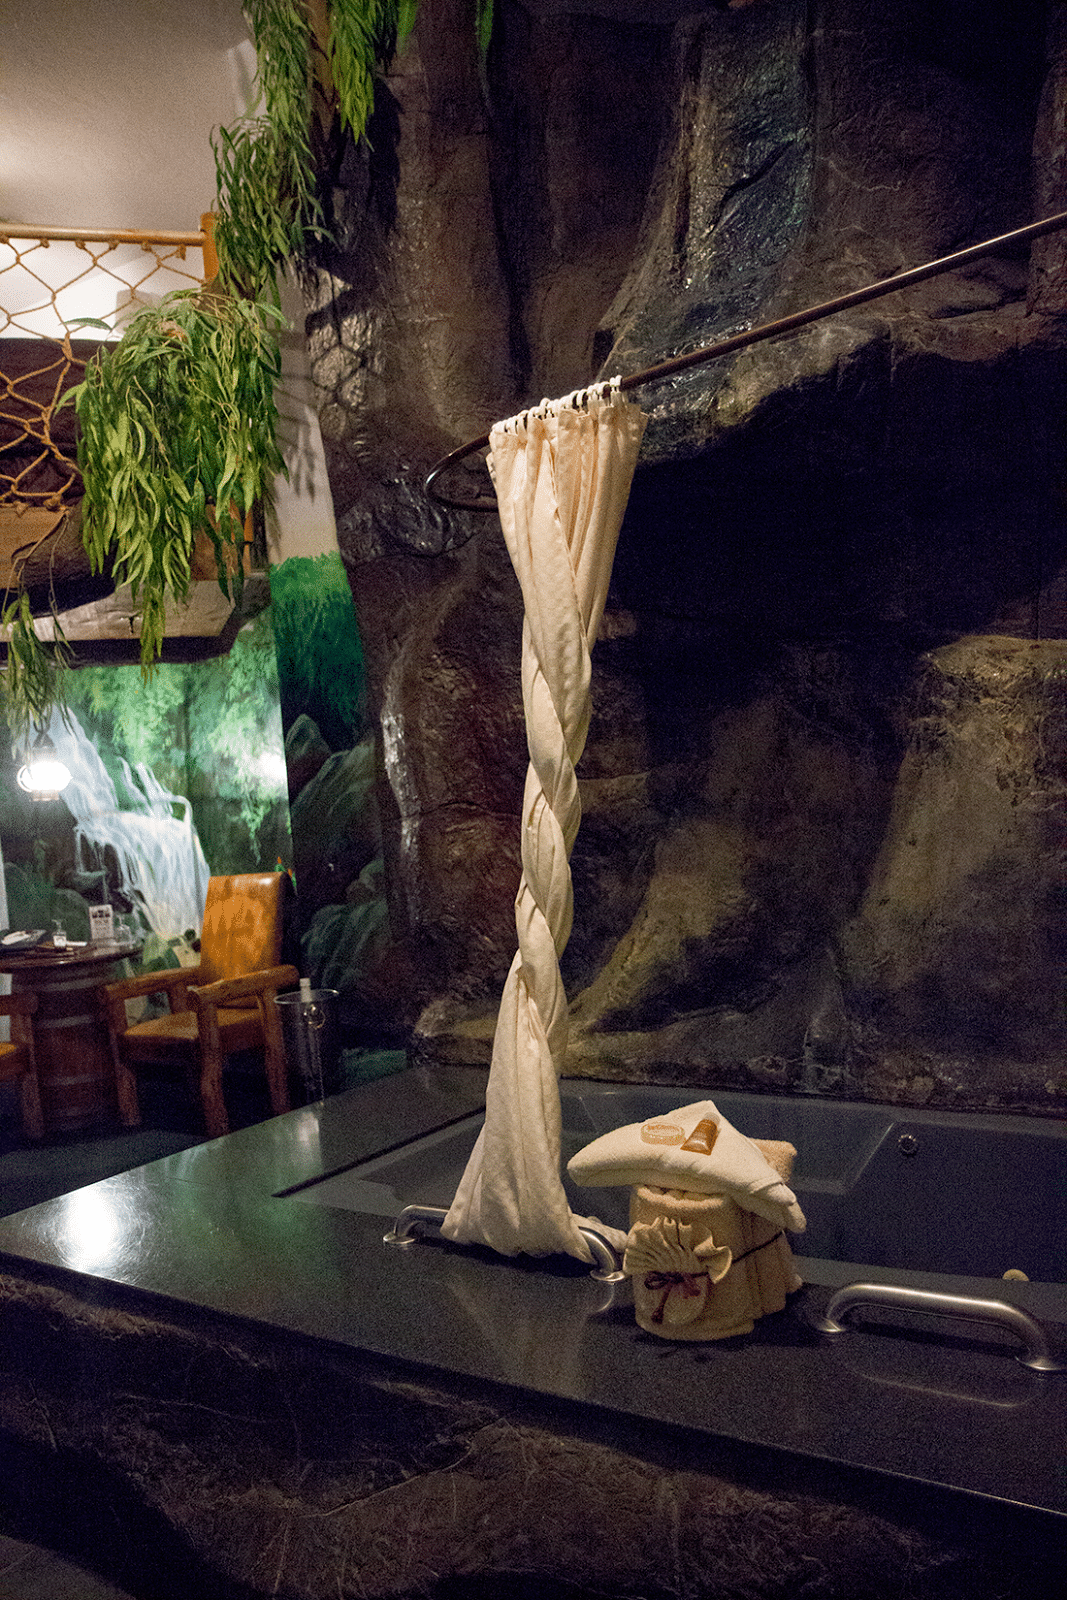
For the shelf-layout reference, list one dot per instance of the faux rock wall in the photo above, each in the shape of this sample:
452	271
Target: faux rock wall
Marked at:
823	845
181	1458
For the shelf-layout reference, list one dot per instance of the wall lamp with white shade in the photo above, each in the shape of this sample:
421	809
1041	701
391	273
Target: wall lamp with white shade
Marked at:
43	775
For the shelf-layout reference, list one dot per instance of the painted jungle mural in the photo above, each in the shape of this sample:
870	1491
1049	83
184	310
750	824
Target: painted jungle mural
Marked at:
174	777
260	759
346	941
188	773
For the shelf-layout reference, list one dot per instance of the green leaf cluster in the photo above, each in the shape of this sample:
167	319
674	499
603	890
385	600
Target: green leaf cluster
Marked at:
363	35
483	25
177	437
177	421
268	208
33	680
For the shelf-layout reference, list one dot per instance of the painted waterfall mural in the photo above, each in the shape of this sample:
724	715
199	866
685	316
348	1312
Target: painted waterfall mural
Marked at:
141	844
173	779
198	770
189	774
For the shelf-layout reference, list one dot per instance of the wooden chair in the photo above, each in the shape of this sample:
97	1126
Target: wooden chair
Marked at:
226	1003
18	1062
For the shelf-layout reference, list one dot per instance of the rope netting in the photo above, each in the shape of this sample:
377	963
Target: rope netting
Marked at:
51	279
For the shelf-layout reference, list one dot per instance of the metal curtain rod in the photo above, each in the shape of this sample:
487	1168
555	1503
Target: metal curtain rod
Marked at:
767	330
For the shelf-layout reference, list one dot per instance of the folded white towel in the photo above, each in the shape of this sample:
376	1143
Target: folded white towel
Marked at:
694	1148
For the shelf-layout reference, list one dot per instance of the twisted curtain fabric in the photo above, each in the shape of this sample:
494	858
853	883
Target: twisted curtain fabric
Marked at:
562	475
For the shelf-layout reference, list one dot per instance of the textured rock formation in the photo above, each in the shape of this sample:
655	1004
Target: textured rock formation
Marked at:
840	551
181	1458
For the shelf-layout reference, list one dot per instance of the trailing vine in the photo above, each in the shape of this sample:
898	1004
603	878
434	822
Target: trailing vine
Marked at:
177	437
267	205
483	25
361	38
268	209
33	676
177	421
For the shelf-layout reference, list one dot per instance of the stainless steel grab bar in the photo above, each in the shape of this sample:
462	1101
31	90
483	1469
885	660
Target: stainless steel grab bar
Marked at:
608	1268
403	1230
999	1312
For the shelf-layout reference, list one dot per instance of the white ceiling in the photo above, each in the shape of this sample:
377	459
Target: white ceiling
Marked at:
106	108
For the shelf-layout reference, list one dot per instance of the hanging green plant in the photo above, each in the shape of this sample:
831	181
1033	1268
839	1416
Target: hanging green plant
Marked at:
483	25
32	680
177	421
268	211
363	36
265	172
177	438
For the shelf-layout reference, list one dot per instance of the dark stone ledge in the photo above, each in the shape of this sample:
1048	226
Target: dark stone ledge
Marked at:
191	1456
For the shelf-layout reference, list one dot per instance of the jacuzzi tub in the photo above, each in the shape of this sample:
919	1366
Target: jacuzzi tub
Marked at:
225	1231
924	1190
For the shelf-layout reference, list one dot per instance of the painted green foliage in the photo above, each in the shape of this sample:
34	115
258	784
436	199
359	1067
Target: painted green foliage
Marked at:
320	658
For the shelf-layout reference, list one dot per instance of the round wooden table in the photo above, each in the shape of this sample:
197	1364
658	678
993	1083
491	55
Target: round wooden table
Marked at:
69	1027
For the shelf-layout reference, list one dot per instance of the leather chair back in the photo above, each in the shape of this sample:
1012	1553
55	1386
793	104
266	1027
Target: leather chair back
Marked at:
242	929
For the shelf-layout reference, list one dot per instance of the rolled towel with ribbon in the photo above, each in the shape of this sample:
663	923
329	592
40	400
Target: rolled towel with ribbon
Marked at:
709	1210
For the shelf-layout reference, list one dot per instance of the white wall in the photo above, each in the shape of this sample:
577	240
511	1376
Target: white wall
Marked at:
106	108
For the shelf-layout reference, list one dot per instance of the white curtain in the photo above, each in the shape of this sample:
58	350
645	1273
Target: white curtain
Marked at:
562	475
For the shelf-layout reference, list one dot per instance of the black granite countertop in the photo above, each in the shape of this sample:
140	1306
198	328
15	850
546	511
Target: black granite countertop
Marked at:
209	1231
